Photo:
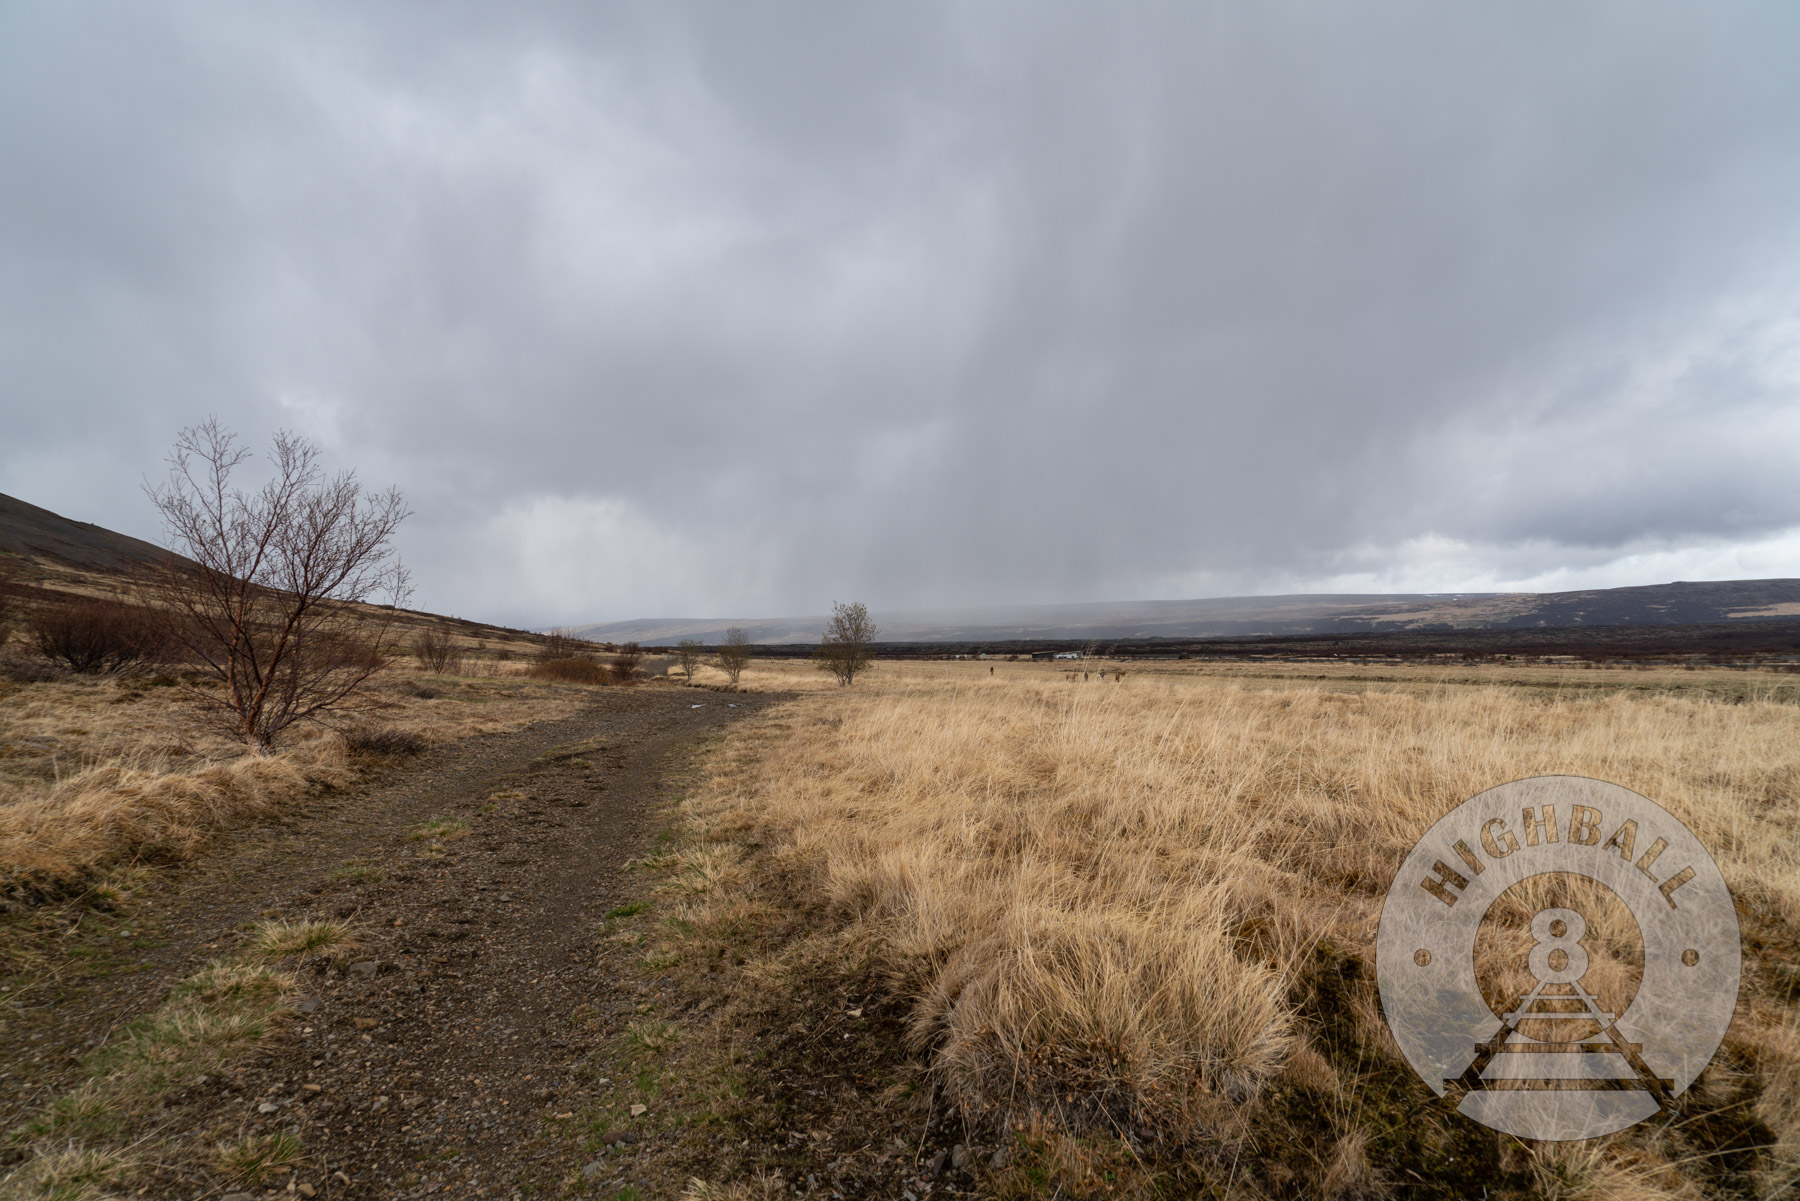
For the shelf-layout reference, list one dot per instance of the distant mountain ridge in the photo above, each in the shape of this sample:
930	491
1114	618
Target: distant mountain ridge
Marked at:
1680	603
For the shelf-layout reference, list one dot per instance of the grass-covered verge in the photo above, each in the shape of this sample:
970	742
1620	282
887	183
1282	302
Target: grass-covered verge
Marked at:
145	1115
1032	941
99	773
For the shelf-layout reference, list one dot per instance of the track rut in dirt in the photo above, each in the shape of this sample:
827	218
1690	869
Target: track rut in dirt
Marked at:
426	1062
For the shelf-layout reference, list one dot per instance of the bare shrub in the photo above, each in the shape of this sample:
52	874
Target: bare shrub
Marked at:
383	740
28	671
89	635
9	595
688	654
627	665
437	652
572	671
272	597
844	647
563	644
734	653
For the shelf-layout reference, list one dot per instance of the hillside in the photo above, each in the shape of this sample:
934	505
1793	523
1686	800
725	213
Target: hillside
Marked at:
38	534
1680	603
62	555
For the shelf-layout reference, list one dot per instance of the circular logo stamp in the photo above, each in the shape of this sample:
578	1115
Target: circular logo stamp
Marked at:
1558	957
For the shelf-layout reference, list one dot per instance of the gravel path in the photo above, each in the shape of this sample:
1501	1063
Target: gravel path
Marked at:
426	1063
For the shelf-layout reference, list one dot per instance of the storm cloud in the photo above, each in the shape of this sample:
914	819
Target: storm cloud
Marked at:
738	308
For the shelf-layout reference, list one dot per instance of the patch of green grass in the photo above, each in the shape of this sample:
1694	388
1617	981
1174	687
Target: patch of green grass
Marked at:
654	1037
360	873
89	1142
629	909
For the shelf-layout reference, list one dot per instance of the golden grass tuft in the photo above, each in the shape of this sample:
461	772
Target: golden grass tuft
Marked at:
279	938
257	1158
107	813
765	1187
69	1173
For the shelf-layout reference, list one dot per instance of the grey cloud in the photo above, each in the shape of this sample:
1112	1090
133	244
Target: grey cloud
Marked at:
924	304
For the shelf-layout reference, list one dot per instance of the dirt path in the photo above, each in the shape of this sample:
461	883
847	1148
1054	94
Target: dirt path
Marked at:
426	1062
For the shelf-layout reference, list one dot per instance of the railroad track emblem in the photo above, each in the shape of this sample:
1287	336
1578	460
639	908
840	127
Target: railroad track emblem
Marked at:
1558	958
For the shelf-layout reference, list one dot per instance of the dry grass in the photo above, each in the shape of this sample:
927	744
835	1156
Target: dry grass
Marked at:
1148	907
97	1136
98	772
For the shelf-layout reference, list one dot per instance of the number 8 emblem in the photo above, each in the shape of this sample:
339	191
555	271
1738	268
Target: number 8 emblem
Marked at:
1545	1041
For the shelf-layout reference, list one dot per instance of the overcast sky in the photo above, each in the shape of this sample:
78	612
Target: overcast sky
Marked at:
734	309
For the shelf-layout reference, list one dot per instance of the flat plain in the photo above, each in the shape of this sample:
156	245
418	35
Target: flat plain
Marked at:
966	928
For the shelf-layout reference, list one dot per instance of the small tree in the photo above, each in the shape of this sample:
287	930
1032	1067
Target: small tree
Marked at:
844	647
734	653
625	663
689	652
268	599
437	652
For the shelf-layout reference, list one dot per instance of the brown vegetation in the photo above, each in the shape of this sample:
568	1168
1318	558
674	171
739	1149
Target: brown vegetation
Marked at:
688	654
734	653
437	652
98	772
266	599
844	649
89	635
9	595
580	670
1141	916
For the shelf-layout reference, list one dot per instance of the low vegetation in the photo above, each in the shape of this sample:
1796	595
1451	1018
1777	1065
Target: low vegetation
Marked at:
91	635
437	652
108	1133
1130	925
102	772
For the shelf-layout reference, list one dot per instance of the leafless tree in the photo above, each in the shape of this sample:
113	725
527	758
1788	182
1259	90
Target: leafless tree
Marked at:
689	652
844	648
272	598
734	653
437	652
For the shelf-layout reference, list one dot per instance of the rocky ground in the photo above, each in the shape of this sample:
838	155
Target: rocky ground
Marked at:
438	1057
